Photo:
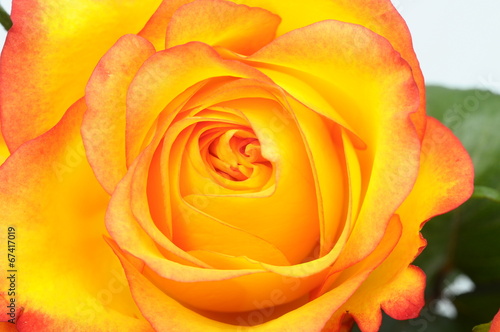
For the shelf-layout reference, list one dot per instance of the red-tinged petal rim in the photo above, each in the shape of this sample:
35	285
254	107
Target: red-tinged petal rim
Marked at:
445	179
239	28
383	18
385	248
64	227
156	28
49	54
401	298
404	297
103	128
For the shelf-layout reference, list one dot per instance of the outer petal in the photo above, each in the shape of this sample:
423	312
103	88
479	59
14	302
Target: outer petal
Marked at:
221	23
103	127
50	53
156	28
370	86
445	179
404	297
495	324
401	298
69	279
8	327
165	313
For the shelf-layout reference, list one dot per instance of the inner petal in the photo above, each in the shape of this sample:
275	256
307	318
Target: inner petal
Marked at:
215	158
233	154
289	214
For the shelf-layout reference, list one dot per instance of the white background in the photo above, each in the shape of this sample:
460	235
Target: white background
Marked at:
456	41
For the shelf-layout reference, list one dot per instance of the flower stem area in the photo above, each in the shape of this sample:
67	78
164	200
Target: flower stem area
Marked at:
5	19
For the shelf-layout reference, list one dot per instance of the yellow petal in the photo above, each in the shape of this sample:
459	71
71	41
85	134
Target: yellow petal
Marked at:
156	27
103	128
49	54
4	150
68	277
221	23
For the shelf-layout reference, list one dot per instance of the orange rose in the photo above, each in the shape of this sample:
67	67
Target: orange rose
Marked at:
216	166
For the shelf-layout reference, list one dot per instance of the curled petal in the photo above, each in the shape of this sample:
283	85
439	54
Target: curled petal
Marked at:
156	27
103	128
222	23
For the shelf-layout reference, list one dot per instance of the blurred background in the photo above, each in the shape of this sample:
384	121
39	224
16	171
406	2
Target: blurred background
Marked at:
458	45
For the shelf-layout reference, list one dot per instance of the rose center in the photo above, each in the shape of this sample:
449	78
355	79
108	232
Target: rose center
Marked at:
234	154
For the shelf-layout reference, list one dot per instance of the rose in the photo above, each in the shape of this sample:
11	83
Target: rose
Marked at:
270	168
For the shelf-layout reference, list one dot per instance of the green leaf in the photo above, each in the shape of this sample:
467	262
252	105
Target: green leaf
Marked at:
485	192
436	259
478	246
482	328
474	116
5	19
480	305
